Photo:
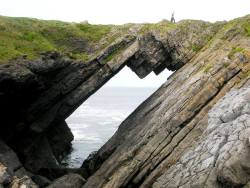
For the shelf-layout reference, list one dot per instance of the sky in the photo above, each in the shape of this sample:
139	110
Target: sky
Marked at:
127	11
124	11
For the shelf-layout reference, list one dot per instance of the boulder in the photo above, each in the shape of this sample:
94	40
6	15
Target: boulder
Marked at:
68	181
23	182
5	177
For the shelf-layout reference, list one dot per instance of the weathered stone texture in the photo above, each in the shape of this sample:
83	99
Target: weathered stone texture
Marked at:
221	157
170	123
68	181
170	140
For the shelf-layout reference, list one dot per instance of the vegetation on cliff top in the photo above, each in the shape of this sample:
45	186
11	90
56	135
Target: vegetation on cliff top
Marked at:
30	37
161	27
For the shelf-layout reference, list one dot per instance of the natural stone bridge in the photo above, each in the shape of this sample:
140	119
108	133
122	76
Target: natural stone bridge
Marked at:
37	96
42	94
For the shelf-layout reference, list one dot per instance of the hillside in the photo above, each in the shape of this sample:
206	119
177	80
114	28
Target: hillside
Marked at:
81	41
31	37
192	132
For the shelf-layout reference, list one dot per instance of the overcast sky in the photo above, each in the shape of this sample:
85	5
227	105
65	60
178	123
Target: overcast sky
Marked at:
125	11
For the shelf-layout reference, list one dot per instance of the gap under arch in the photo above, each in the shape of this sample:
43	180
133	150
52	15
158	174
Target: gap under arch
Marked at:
97	119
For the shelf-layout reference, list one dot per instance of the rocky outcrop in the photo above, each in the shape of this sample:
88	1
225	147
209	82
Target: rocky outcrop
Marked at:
37	96
12	172
23	182
221	157
41	94
148	147
68	181
4	175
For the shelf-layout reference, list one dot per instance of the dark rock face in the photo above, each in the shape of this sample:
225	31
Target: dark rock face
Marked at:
154	145
42	94
60	137
152	55
12	172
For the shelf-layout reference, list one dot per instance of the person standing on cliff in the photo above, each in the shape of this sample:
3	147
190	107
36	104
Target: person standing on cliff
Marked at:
172	18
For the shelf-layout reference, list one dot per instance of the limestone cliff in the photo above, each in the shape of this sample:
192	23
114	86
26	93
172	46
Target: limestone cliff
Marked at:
181	136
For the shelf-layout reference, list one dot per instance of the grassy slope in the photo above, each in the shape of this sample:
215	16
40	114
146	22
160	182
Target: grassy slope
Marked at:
25	36
30	37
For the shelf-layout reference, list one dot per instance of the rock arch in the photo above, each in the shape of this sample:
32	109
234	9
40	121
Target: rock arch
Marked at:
54	86
41	94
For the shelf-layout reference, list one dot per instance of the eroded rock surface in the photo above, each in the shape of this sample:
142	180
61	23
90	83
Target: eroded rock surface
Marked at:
171	122
12	172
221	157
208	59
68	181
23	182
41	94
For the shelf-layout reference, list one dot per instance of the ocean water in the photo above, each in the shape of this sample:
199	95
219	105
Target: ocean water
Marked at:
97	119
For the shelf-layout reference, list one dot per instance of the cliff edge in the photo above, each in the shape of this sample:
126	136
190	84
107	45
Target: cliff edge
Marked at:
192	132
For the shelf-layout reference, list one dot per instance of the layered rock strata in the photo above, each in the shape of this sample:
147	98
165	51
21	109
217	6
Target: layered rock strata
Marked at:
154	145
165	132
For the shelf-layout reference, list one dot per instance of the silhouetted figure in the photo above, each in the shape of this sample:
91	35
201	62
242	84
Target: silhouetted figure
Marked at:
172	18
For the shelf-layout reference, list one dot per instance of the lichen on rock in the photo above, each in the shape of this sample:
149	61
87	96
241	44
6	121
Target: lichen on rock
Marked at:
220	157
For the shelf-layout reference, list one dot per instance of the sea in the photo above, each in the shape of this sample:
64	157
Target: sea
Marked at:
97	119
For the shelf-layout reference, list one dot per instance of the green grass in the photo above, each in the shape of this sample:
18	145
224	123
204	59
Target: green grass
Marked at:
246	27
25	36
238	26
94	32
79	56
207	68
162	27
246	75
226	64
196	47
114	54
234	50
31	37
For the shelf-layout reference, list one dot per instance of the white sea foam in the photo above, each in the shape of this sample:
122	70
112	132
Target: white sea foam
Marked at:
79	136
95	121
